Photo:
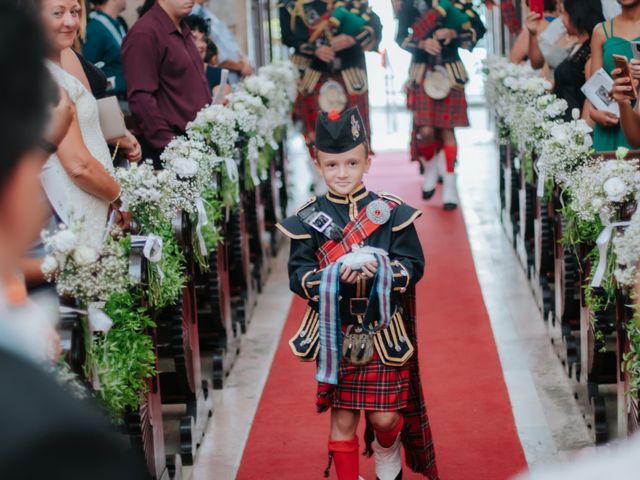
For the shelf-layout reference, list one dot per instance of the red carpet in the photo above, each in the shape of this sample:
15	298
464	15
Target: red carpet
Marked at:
467	400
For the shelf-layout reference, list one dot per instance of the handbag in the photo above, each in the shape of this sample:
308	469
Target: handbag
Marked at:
111	118
357	345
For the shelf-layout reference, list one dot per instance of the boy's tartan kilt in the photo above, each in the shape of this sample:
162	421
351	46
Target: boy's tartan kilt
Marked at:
450	112
374	386
308	104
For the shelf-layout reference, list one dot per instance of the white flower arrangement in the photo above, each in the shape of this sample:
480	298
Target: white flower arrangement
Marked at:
568	145
285	75
599	187
82	271
149	194
192	162
522	103
626	248
249	109
216	124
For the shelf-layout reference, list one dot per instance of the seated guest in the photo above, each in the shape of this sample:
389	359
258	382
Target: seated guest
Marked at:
212	53
230	55
105	32
200	32
166	84
580	18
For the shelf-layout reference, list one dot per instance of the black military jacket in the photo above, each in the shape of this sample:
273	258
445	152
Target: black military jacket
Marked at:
398	237
298	18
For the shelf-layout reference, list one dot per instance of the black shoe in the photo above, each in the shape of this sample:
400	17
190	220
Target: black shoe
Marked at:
398	477
450	206
428	195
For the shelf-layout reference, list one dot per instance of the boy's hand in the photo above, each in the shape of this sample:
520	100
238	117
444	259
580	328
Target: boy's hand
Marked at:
351	276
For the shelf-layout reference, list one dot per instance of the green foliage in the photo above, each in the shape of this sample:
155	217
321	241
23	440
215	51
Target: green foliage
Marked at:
631	359
124	358
211	233
577	231
164	289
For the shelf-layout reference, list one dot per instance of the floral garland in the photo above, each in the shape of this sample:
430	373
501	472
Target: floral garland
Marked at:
200	177
81	271
526	111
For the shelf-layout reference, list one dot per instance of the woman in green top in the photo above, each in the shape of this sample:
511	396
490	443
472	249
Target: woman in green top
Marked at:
612	37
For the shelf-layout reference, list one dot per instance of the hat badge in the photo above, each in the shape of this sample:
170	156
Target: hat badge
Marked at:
355	127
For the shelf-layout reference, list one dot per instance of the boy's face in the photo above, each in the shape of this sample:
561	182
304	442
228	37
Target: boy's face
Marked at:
343	172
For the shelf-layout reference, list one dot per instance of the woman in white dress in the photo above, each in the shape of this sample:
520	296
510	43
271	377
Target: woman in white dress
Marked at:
77	177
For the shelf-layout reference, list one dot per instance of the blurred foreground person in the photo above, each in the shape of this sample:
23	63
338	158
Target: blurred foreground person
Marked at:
616	462
45	432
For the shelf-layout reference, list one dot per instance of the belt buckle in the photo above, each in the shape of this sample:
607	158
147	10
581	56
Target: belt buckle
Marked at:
358	306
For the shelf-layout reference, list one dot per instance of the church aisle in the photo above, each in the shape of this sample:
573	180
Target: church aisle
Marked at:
468	404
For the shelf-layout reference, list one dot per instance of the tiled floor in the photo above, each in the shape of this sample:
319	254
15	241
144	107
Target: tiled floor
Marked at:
547	418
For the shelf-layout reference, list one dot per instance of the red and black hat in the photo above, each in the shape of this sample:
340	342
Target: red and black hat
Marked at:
339	132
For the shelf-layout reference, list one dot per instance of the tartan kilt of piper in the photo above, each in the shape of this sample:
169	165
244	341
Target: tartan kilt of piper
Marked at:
309	108
374	386
449	112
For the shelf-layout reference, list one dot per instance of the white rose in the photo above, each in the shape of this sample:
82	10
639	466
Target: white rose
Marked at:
559	133
615	189
209	115
509	82
64	241
153	195
185	167
556	109
621	153
588	141
84	255
597	203
49	265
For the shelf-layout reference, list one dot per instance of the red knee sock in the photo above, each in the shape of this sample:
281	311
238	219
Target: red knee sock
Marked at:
450	155
386	439
345	458
429	150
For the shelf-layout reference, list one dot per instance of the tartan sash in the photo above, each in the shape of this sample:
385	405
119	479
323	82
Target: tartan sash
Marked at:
355	232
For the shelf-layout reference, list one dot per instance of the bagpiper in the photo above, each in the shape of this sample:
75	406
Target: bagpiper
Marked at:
433	31
329	38
356	258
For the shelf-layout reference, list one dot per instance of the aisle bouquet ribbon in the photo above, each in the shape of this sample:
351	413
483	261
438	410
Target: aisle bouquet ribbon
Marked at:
603	248
203	221
151	250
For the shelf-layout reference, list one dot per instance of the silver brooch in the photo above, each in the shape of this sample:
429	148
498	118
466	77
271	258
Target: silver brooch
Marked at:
378	212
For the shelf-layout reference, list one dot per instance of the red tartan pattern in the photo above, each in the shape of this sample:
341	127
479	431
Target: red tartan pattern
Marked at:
309	105
510	17
426	25
297	112
354	233
373	386
450	112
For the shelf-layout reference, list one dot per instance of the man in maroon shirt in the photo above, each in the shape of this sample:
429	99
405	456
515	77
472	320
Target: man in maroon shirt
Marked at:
166	83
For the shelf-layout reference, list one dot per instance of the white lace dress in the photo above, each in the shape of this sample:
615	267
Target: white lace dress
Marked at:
72	204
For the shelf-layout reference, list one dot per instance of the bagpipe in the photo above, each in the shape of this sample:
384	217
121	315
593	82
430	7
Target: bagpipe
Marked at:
341	18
